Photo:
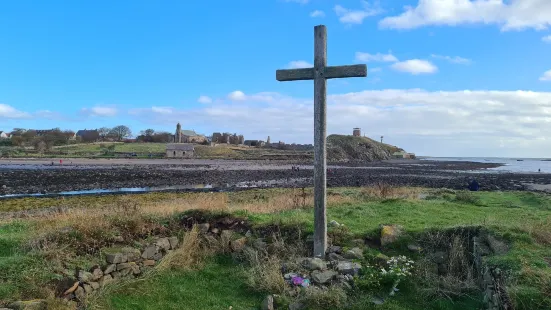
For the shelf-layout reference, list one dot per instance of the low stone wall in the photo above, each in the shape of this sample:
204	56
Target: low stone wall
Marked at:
128	263
491	280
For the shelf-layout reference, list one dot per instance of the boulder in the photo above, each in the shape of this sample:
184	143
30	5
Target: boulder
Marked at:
322	277
238	245
94	285
124	272
110	268
36	304
135	268
348	267
123	266
149	251
334	257
85	276
334	249
96	274
354	253
314	264
132	254
390	233
268	303
157	256
79	293
203	228
106	279
149	262
163	244
116	275
114	258
215	231
334	223
88	288
173	242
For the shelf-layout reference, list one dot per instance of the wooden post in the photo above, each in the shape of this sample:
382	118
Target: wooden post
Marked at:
320	73
320	133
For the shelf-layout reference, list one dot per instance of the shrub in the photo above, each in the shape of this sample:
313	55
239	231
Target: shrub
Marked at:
332	298
467	197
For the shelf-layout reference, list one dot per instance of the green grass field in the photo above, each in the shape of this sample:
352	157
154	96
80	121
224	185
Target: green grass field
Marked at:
522	219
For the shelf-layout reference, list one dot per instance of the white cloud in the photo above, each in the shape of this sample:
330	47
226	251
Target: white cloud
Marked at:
161	110
546	76
546	39
366	57
317	13
454	59
296	64
204	99
415	66
347	16
7	111
237	95
508	14
101	111
438	123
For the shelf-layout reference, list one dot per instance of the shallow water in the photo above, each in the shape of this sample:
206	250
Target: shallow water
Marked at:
516	165
212	187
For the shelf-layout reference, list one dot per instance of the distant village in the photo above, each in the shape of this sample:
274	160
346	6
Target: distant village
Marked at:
181	144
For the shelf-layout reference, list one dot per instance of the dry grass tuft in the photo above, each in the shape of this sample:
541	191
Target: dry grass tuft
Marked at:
188	254
383	190
540	231
264	274
331	298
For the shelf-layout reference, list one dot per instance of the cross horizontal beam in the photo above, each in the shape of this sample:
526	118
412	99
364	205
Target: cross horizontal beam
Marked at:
330	72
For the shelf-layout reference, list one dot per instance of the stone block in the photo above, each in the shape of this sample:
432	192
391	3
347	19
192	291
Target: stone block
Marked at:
88	288
110	268
94	285
390	233
123	266
314	264
85	276
348	268
173	242
163	244
203	228
149	262
268	303
323	277
106	279
132	254
149	251
114	258
238	245
96	274
354	253
79	293
157	256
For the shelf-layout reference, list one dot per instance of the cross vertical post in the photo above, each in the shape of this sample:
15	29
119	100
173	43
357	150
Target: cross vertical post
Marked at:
320	73
320	148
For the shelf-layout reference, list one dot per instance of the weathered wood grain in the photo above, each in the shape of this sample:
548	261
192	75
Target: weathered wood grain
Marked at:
336	72
320	73
320	133
295	74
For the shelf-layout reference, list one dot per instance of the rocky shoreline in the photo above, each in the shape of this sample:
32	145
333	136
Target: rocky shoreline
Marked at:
29	177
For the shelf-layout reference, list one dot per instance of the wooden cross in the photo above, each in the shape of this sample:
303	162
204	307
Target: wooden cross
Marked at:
320	73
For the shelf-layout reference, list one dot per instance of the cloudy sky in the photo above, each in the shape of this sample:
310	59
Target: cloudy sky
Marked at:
445	77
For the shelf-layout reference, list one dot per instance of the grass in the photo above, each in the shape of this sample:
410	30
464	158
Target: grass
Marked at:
28	266
218	285
86	150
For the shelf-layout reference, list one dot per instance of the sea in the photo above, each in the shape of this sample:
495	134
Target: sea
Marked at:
516	165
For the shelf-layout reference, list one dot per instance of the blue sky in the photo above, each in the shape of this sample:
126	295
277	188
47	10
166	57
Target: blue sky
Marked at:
443	75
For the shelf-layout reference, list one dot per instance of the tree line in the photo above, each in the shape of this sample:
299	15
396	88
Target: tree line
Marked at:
44	140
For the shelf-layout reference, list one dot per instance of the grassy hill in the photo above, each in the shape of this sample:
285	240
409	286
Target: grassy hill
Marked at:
341	148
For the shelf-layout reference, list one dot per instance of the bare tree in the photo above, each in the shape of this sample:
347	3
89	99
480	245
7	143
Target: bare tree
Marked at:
120	132
103	132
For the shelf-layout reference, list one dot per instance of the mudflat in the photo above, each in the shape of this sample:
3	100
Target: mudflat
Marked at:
26	176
